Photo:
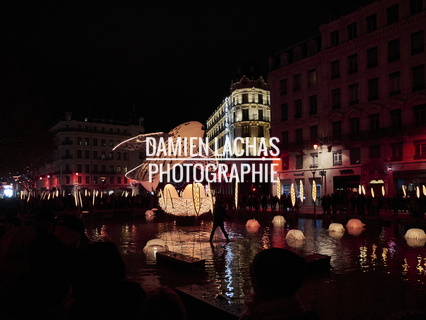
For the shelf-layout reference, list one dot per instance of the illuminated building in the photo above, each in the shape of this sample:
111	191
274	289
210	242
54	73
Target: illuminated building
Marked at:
84	158
245	113
349	105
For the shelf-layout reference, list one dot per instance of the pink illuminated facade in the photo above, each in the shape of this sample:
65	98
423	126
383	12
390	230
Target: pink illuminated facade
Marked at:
349	105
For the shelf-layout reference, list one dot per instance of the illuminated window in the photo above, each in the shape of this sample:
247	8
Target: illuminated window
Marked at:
299	161
337	158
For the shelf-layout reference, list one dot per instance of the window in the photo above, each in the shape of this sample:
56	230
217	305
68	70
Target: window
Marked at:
79	168
298	108
374	122
314	160
299	137
95	155
283	87
86	141
337	158
284	112
79	179
313	105
394	83
372	57
125	155
374	152
418	77
396	151
352	63
416	6
111	143
284	139
260	98
246	131
111	155
284	163
119	180
336	128
354	128
118	169
118	155
371	22
393	50
260	133
95	142
353	93
355	156
299	161
95	168
420	115
245	98
111	168
352	31
79	154
95	180
313	134
335	69
312	78
396	118
417	42
335	98
87	154
111	180
245	114
103	143
67	180
296	82
103	155
419	150
373	89
87	168
87	179
392	14
334	38
79	141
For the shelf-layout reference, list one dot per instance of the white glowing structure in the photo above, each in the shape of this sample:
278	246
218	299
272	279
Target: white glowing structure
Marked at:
415	233
252	225
153	246
354	223
336	227
278	221
193	201
295	238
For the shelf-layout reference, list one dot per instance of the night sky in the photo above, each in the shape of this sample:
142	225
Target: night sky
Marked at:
172	61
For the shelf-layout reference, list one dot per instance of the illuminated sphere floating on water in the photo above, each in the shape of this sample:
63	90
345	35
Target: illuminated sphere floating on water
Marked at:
278	221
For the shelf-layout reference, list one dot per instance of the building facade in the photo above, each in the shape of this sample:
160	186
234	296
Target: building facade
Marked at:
84	158
349	105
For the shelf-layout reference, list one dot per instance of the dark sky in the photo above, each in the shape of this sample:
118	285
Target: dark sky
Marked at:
172	60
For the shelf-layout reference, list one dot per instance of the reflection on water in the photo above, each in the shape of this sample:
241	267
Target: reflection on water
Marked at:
376	250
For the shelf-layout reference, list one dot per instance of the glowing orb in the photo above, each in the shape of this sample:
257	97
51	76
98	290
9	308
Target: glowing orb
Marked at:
354	223
415	233
278	221
252	225
336	227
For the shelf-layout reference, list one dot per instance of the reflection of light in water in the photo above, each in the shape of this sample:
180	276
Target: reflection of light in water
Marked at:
128	238
373	255
228	273
385	256
363	258
405	268
419	267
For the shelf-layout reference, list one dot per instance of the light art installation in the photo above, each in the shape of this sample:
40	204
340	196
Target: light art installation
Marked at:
404	190
415	233
185	205
336	227
418	192
314	191
424	190
252	225
354	223
292	195
278	221
383	191
140	143
278	188
372	192
152	247
295	238
301	193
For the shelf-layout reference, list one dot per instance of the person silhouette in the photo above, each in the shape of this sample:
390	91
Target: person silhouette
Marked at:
219	215
276	276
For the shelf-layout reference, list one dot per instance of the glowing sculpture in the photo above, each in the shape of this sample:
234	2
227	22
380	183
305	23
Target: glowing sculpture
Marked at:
278	221
142	142
415	233
354	223
152	247
295	238
336	227
292	195
186	205
418	192
252	225
424	190
383	191
404	190
278	188
314	191
372	192
149	213
301	193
